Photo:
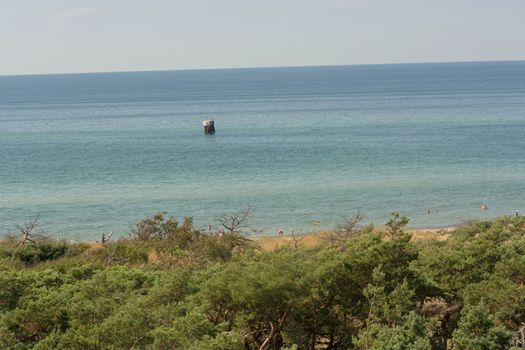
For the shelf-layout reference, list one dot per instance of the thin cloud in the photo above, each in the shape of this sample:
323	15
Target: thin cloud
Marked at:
347	3
76	13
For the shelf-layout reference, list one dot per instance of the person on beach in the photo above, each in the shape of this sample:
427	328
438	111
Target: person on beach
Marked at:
280	232
517	212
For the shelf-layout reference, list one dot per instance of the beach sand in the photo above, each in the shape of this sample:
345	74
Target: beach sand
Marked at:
313	238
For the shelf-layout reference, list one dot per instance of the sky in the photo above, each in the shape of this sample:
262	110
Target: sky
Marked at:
61	36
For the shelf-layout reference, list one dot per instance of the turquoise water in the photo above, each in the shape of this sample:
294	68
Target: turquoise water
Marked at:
90	153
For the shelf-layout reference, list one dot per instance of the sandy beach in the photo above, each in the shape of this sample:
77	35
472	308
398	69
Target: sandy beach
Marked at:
313	238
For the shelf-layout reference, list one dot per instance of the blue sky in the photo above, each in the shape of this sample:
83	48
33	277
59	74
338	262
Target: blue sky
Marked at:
56	36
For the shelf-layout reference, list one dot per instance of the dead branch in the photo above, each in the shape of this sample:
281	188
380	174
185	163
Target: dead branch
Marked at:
346	229
27	231
296	239
105	239
235	222
518	340
349	226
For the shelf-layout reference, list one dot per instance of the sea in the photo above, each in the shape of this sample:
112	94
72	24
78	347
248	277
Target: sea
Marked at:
303	147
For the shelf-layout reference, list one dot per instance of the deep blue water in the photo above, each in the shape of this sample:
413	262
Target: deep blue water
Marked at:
90	153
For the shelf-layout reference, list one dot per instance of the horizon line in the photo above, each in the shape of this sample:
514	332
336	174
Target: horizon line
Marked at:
254	67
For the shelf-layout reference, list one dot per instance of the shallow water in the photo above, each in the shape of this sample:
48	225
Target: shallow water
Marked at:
90	153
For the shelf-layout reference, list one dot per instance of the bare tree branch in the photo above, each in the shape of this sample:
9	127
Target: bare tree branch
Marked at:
27	230
518	340
296	239
346	229
235	222
105	239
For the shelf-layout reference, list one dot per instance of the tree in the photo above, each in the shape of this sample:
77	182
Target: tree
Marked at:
27	230
105	238
346	229
162	228
477	331
410	334
296	239
395	224
235	222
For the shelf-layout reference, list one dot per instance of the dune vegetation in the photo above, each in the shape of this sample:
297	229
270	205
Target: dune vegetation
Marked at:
171	286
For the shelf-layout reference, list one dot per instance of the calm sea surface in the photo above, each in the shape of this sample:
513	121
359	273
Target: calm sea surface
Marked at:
90	153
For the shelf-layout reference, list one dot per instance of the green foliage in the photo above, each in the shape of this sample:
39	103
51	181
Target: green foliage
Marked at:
194	331
410	333
172	287
123	252
477	331
158	227
43	251
504	290
395	224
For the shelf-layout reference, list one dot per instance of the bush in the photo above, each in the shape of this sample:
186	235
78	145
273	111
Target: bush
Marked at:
182	289
41	251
